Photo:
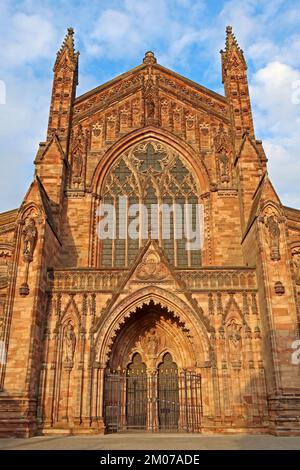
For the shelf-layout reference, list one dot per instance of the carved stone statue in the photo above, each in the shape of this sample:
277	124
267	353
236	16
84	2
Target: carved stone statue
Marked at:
224	170
274	237
29	239
151	343
235	339
150	107
77	166
150	95
296	263
69	343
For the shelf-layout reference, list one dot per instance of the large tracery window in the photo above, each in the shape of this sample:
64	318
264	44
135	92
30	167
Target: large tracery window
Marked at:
152	175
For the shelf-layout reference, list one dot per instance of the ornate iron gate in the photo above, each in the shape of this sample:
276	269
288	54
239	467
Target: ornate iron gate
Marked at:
158	402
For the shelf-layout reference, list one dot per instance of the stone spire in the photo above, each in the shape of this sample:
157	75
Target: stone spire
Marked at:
234	77
65	81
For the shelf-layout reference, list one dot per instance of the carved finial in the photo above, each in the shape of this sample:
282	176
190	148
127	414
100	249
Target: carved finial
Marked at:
231	39
68	44
149	58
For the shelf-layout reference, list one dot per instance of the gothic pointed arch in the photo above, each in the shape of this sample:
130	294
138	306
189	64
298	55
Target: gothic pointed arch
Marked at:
163	137
150	186
189	321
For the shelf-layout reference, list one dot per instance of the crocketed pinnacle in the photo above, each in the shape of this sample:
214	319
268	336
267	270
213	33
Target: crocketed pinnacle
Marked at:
68	44
231	40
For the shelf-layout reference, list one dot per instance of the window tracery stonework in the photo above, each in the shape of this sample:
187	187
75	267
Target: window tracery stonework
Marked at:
151	174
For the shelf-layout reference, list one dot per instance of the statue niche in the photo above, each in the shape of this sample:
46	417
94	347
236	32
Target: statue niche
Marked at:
29	239
69	344
274	237
29	236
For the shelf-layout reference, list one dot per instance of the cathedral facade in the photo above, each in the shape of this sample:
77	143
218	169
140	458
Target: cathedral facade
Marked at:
106	329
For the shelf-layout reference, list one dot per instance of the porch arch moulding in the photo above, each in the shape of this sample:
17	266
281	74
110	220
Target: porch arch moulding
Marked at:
174	338
112	321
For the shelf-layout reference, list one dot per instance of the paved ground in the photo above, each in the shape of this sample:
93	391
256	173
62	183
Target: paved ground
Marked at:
152	442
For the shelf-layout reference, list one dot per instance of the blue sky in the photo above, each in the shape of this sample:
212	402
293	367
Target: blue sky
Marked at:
112	36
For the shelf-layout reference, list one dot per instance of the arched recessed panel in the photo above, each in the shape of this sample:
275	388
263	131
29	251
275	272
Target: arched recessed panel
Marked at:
168	394
136	393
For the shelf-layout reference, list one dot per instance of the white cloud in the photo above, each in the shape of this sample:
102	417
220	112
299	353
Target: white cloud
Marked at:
33	38
23	122
277	120
139	26
185	36
25	40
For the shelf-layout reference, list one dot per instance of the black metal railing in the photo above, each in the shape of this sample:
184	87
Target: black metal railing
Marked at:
152	402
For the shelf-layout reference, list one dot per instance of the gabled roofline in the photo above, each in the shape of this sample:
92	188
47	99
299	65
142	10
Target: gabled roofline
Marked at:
140	67
8	217
105	85
191	83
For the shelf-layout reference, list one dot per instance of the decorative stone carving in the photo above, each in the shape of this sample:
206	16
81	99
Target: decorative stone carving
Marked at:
219	303
224	167
29	239
124	117
97	133
149	58
80	141
151	267
30	236
136	111
150	343
245	304
177	113
77	167
296	264
254	304
150	93
279	288
223	148
274	237
204	136
106	97
197	99
111	124
69	343
190	126
210	304
165	108
234	336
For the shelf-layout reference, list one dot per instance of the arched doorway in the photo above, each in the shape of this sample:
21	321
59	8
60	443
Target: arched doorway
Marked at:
150	383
